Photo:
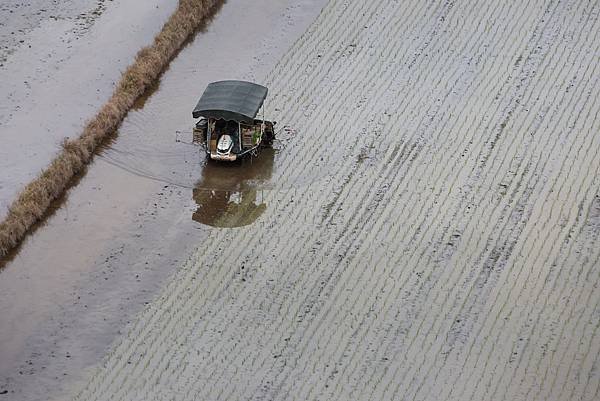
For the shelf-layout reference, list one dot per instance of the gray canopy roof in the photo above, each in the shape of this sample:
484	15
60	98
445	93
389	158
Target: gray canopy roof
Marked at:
231	100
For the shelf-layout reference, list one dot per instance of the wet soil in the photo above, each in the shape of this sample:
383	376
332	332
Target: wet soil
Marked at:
144	204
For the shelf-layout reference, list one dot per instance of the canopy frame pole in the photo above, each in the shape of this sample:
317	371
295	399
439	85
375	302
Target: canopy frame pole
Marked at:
262	125
240	136
208	135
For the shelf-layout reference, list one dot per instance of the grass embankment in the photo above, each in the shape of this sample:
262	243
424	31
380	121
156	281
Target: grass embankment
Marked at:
33	202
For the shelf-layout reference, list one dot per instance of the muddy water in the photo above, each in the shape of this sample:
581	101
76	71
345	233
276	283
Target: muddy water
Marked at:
149	198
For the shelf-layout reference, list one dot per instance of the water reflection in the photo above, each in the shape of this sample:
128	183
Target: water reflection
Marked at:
231	194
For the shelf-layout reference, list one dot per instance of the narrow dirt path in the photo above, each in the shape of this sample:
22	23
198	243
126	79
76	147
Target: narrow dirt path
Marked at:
432	233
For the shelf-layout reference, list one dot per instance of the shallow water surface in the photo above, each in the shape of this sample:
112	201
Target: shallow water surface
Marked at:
104	254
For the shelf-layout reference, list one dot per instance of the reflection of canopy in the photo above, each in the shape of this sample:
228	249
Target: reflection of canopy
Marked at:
231	100
218	209
228	196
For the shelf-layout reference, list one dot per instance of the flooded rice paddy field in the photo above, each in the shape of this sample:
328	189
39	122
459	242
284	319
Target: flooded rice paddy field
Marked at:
140	209
426	228
447	246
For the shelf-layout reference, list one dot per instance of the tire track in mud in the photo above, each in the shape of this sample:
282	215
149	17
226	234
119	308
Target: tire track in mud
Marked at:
463	156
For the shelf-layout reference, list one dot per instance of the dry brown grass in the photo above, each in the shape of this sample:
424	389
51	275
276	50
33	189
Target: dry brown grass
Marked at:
33	202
